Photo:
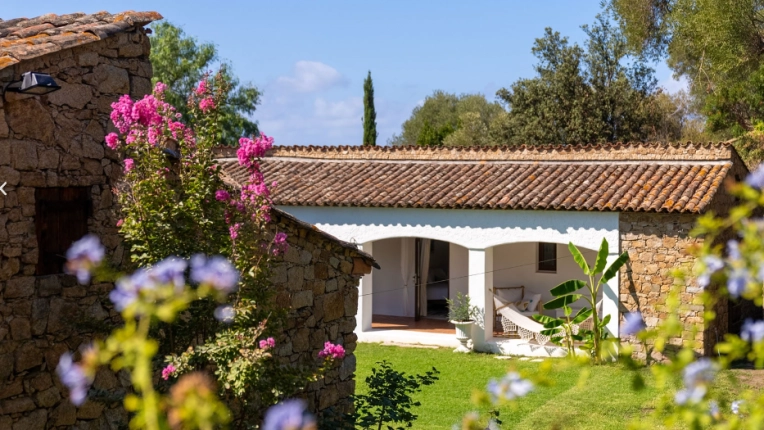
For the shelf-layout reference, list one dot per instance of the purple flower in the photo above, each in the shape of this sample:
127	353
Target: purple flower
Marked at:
74	378
510	387
696	376
633	323
83	256
737	281
225	314
289	415
127	289
222	196
756	178
713	264
171	270
752	331
215	271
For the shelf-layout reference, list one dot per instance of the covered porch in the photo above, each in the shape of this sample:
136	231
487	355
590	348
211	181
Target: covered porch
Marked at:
476	253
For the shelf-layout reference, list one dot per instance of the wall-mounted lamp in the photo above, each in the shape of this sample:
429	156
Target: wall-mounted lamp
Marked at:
32	83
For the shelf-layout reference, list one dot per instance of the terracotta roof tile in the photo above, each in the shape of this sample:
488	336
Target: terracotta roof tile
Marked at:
616	177
23	38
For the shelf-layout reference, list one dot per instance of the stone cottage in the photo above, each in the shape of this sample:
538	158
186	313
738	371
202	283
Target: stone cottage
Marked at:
58	179
442	221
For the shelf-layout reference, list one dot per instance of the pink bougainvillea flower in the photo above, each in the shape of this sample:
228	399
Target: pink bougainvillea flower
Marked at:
159	88
250	150
280	244
234	230
112	140
222	196
168	371
129	164
332	351
206	104
201	88
120	222
267	343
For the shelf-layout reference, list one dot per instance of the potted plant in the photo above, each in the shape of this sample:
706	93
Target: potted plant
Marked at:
462	315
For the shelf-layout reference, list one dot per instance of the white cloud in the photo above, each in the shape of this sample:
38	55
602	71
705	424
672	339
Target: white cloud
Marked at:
311	77
672	85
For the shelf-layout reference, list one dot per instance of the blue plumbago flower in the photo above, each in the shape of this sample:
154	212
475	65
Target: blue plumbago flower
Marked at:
713	264
510	387
83	256
289	415
752	331
737	281
633	323
696	375
713	408
690	395
225	314
735	407
733	250
215	271
756	178
74	378
171	270
127	289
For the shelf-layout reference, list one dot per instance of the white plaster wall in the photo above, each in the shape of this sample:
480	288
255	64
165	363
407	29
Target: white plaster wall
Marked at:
515	264
473	229
390	294
458	270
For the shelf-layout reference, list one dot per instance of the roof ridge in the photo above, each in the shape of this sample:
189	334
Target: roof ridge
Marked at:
486	148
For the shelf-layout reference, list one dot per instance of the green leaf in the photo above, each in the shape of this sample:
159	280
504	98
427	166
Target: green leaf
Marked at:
543	319
568	287
615	267
554	323
604	321
579	258
599	266
582	315
562	301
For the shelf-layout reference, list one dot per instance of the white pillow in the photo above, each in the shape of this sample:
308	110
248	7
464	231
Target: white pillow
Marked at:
535	299
509	295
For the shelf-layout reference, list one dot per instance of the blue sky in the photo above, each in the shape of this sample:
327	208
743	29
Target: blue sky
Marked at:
310	57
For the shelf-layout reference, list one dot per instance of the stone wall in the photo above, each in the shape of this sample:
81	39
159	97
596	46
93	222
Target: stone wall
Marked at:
317	280
56	140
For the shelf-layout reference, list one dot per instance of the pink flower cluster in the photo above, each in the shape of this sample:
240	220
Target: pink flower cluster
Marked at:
332	351
145	120
234	230
267	343
250	150
129	164
207	104
168	371
280	245
222	196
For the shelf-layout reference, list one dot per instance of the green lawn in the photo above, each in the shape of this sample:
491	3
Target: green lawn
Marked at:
563	405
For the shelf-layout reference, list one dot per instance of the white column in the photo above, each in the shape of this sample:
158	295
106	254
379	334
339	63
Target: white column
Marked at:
363	317
480	283
610	300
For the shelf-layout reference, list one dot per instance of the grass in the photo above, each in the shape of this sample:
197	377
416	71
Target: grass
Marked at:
565	404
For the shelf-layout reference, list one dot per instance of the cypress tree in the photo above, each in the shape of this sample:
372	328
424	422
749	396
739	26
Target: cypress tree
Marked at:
369	114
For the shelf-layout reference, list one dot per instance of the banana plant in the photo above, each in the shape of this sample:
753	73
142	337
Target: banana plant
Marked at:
567	330
569	292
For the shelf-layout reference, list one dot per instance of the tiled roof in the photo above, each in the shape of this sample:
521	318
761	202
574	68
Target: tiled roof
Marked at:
617	177
23	38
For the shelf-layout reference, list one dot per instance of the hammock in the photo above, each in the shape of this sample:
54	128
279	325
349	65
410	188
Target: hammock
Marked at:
528	329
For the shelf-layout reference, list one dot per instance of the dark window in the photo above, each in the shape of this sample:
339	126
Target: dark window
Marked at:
547	257
61	217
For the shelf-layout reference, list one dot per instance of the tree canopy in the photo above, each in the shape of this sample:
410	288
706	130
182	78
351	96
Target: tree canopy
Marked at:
180	61
598	93
718	45
448	119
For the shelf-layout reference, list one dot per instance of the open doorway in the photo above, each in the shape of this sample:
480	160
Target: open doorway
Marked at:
432	279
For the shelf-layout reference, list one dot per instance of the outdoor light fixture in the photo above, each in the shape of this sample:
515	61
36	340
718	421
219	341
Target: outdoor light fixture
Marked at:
33	83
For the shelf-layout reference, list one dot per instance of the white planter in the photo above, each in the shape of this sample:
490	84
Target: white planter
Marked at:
463	334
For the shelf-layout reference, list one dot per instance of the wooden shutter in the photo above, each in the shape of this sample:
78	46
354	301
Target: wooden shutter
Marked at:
61	217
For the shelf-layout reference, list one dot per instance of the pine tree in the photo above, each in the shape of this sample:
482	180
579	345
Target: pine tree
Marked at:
369	114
